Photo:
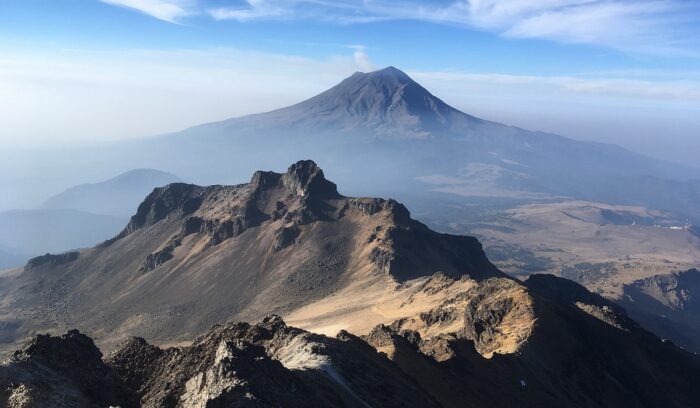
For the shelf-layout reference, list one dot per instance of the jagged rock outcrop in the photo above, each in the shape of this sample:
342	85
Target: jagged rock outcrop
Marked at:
65	371
571	360
195	256
268	364
538	344
454	330
51	260
234	365
306	179
174	198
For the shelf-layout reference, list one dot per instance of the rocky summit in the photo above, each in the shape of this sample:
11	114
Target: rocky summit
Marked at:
357	305
286	243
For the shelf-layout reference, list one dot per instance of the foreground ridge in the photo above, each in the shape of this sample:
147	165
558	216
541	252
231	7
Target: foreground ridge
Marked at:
271	364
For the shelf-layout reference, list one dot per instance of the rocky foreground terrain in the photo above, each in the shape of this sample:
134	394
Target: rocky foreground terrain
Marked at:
644	260
376	310
578	350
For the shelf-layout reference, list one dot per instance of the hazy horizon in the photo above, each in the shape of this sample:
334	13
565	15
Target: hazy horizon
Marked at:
628	73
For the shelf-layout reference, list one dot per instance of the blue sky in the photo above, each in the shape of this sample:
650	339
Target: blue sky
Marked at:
73	71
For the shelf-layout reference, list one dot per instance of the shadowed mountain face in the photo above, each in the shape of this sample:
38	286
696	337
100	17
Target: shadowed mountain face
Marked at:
668	305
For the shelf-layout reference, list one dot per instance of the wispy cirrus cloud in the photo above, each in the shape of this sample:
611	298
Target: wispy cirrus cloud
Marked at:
340	11
255	10
166	10
639	26
617	86
654	27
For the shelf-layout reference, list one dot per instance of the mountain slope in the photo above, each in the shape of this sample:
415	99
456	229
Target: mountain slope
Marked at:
386	104
452	328
412	143
118	196
581	354
193	256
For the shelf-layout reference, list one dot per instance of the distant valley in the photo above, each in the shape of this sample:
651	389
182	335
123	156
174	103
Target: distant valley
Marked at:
599	245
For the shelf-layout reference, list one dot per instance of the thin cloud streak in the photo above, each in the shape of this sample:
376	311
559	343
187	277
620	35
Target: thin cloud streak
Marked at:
646	27
687	91
166	10
257	9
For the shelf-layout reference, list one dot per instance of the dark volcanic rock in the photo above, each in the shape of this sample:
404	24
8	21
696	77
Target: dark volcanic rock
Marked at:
273	365
571	357
176	197
157	259
409	243
64	371
306	179
286	237
266	365
51	260
196	256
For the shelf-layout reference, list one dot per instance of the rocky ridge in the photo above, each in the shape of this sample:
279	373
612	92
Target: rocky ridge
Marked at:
281	243
390	314
570	358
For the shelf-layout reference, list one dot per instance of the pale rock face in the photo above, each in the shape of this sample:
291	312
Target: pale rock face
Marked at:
216	381
20	397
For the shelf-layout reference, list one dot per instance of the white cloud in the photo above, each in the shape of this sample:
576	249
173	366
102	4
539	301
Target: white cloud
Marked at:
257	9
615	87
660	27
362	60
642	26
166	10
